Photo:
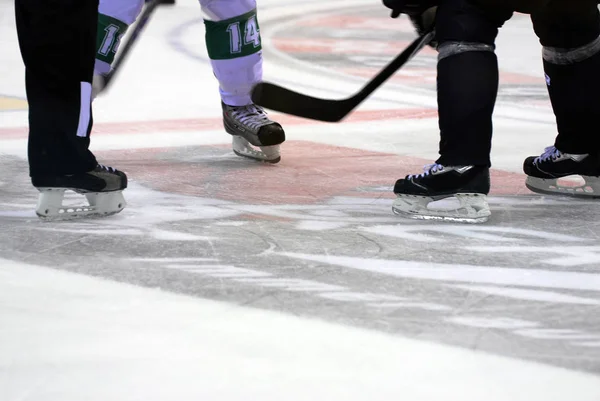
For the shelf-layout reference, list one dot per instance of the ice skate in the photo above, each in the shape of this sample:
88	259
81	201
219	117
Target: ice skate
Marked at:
418	195
556	173
103	188
255	136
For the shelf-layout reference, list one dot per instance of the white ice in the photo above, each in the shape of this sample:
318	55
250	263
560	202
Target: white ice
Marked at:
68	337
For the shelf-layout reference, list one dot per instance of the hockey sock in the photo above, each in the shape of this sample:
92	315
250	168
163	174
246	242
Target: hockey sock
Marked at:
234	47
574	91
467	88
110	32
234	37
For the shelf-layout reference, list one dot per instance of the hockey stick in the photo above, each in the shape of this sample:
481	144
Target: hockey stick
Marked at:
278	98
132	38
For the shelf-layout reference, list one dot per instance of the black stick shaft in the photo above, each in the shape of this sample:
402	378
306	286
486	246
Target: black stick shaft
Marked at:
394	66
278	98
132	38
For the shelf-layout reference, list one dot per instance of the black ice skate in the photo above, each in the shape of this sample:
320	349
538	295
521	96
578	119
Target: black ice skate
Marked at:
103	187
250	126
469	185
543	174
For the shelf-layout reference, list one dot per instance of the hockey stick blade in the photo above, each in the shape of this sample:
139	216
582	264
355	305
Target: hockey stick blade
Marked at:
278	98
132	38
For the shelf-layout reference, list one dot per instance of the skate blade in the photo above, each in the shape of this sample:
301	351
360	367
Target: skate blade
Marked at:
243	148
472	209
586	187
100	204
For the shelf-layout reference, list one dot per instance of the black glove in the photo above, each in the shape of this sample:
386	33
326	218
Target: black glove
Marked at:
424	22
410	7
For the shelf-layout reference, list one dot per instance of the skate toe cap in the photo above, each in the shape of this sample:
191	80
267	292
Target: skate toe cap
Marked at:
272	134
400	186
528	164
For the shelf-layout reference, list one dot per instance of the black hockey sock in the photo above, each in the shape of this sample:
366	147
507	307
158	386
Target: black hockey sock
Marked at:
467	88
575	95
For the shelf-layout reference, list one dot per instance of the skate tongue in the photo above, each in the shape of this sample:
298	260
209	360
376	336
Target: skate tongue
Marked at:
106	168
428	169
549	152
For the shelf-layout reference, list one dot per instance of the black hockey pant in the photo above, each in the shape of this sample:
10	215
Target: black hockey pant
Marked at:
468	75
57	39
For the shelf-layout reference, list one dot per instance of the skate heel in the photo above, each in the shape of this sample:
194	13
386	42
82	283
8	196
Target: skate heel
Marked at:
50	202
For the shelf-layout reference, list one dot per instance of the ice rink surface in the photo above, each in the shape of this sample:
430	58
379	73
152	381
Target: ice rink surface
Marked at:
226	279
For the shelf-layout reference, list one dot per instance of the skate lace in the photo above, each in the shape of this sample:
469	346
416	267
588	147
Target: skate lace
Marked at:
549	153
251	116
428	169
107	168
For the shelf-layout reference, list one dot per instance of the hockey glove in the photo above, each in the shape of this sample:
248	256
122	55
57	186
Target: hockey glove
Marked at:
410	7
424	22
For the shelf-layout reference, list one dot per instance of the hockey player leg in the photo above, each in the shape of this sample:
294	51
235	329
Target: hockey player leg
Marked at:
571	63
234	45
467	84
114	18
59	65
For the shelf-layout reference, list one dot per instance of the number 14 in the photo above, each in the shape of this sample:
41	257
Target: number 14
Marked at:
251	35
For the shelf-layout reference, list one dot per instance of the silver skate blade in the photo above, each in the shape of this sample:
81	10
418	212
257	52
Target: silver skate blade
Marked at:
575	186
50	205
243	148
471	208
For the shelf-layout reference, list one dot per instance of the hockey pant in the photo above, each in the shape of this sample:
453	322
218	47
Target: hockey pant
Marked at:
57	42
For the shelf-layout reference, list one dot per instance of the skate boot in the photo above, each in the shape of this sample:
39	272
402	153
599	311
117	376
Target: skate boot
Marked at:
103	187
254	135
544	171
469	185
